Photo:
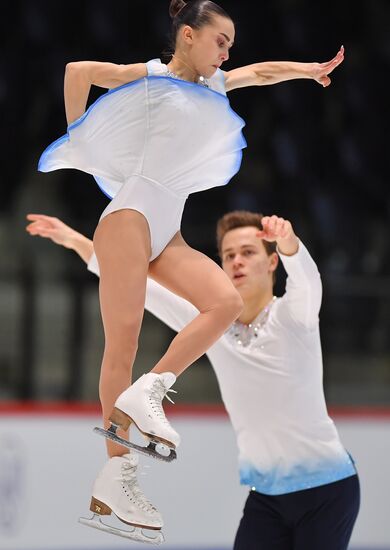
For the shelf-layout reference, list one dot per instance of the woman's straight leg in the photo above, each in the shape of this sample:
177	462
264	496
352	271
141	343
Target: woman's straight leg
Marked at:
122	246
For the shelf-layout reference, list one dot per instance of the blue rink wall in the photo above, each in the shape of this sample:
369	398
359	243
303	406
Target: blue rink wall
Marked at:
49	458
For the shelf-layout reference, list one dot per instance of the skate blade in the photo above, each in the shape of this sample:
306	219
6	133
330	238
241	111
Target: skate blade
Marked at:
150	450
136	533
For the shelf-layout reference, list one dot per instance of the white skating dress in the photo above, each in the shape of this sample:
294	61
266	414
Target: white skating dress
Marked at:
151	143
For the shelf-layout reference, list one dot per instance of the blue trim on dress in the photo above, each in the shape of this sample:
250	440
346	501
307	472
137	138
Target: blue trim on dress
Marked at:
49	148
201	89
100	185
81	119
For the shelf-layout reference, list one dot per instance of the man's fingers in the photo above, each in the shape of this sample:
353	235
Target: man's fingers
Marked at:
39	217
273	223
32	226
285	229
34	230
41	233
260	234
274	228
36	216
279	227
38	228
38	225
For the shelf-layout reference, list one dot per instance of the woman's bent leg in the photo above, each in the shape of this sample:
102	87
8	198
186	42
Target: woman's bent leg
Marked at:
195	277
122	246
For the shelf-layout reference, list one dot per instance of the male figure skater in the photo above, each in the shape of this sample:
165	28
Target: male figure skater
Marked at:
304	489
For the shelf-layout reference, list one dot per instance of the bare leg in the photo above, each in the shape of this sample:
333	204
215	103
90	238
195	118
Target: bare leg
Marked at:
195	277
198	279
122	246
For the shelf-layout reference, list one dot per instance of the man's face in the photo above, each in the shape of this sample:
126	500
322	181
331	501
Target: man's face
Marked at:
246	262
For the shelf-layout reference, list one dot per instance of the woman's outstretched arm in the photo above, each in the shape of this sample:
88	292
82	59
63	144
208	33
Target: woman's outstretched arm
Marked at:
272	72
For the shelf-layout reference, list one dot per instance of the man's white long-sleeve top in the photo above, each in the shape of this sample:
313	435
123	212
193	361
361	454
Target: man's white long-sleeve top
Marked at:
270	377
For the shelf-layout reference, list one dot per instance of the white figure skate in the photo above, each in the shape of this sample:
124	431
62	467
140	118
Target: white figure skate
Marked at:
116	490
141	404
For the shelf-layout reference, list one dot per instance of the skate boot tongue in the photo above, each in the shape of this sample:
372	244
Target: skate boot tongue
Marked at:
168	379
132	458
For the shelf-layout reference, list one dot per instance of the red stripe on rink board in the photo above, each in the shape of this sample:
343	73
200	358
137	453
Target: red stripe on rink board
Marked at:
92	409
36	408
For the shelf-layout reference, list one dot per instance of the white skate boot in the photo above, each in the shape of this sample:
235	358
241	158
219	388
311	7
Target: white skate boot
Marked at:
141	403
116	490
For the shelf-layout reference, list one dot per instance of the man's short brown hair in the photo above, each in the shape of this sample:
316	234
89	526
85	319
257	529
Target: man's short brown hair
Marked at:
241	218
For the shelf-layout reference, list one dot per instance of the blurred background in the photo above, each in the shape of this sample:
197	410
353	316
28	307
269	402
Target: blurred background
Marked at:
315	156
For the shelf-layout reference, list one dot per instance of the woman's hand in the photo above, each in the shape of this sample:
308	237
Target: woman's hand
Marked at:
321	71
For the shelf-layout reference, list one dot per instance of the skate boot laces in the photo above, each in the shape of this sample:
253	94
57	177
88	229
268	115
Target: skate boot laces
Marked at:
157	394
132	489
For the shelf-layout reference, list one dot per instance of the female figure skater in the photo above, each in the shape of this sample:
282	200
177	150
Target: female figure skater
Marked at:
160	133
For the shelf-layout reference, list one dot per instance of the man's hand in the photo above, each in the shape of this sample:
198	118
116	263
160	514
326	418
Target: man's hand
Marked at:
60	233
279	230
51	228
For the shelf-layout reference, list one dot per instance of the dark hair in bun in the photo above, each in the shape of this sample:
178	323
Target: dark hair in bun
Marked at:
195	13
175	7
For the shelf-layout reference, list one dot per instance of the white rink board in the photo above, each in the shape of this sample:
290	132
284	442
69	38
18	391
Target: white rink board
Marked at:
48	464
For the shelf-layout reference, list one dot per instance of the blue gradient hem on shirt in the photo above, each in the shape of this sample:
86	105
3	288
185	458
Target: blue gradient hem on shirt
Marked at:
272	484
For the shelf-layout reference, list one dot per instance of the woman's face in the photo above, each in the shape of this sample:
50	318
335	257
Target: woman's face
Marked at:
209	45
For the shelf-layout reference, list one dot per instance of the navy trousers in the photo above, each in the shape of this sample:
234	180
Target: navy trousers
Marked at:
321	518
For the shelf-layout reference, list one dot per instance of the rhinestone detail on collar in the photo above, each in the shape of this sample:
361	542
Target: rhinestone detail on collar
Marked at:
202	81
243	336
